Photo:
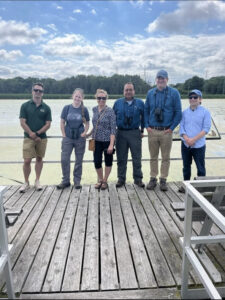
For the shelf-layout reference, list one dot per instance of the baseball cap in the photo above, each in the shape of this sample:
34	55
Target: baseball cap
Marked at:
162	73
197	92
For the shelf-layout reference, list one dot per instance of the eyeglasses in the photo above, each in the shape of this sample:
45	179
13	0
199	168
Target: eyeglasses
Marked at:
128	90
194	97
101	98
38	91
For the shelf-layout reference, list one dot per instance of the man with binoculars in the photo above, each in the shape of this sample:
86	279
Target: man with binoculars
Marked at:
162	114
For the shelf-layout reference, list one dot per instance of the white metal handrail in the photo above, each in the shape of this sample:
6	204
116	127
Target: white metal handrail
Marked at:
189	256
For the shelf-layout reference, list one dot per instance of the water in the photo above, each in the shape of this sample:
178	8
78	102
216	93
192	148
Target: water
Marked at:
11	149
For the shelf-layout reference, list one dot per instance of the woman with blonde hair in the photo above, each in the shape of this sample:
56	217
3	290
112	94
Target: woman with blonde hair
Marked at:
74	126
104	130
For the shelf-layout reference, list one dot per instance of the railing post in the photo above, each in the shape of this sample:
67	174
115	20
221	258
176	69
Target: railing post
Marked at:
4	249
186	244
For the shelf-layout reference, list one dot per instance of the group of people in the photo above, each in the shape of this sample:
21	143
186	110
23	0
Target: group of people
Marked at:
120	128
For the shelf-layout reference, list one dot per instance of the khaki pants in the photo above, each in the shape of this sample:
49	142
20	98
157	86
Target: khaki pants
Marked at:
159	140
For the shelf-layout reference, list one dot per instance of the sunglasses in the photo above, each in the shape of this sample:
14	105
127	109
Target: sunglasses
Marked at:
101	98
194	97
38	91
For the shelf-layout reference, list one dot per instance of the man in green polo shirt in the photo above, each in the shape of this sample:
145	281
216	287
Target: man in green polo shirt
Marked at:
35	119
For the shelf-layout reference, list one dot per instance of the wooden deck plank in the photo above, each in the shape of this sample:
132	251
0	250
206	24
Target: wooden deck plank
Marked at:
142	265
19	197
161	270
27	209
24	262
163	293
56	267
38	271
9	193
109	278
72	277
90	276
126	270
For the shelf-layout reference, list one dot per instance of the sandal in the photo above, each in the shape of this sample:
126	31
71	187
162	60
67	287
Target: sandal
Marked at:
98	185
104	185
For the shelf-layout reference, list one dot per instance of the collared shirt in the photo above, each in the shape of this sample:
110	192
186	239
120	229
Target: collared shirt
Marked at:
35	116
193	122
129	116
106	125
169	101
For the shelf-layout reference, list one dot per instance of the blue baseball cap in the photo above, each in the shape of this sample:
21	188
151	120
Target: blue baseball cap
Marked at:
196	92
162	73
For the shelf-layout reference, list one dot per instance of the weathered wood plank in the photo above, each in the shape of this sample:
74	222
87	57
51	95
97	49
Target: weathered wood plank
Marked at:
38	227
56	268
126	271
19	197
163	293
150	203
109	278
27	209
90	275
9	193
40	265
158	261
142	265
72	277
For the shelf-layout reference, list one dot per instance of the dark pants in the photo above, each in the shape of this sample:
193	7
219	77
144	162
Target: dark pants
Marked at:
126	140
101	147
199	157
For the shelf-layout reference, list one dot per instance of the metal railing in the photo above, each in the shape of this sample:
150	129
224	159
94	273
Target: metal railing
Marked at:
189	256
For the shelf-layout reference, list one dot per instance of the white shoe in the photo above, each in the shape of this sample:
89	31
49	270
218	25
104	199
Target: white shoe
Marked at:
24	187
37	185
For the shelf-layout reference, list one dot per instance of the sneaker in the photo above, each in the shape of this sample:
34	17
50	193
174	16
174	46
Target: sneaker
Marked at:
119	183
62	186
163	185
181	189
152	183
37	185
24	187
139	183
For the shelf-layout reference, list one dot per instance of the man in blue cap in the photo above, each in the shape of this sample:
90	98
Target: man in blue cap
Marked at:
195	124
162	114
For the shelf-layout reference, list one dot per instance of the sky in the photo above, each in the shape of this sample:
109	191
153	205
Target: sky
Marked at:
59	39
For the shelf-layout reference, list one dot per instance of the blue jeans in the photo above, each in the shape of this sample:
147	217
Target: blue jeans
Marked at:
199	157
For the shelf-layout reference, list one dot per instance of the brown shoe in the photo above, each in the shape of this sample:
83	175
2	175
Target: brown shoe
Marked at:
152	183
104	186
163	185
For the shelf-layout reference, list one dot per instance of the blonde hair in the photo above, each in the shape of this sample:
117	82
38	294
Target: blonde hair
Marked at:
99	91
81	91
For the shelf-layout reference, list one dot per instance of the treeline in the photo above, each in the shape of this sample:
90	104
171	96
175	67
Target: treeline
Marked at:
214	85
19	86
113	85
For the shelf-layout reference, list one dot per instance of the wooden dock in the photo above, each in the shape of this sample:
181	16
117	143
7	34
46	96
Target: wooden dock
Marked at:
89	244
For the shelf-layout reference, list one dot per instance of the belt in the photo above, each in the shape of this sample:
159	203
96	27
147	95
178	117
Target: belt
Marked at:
159	127
126	129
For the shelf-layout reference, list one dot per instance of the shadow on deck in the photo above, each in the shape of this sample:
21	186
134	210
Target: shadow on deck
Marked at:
90	244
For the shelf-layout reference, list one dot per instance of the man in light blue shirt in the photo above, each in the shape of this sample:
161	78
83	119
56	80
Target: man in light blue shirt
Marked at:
195	124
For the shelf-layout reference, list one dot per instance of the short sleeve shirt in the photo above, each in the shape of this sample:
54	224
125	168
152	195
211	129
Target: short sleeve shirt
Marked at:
35	116
74	119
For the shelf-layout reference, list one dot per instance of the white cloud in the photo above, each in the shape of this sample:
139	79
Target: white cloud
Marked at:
11	55
19	33
187	13
93	12
52	26
137	3
181	55
59	7
77	11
